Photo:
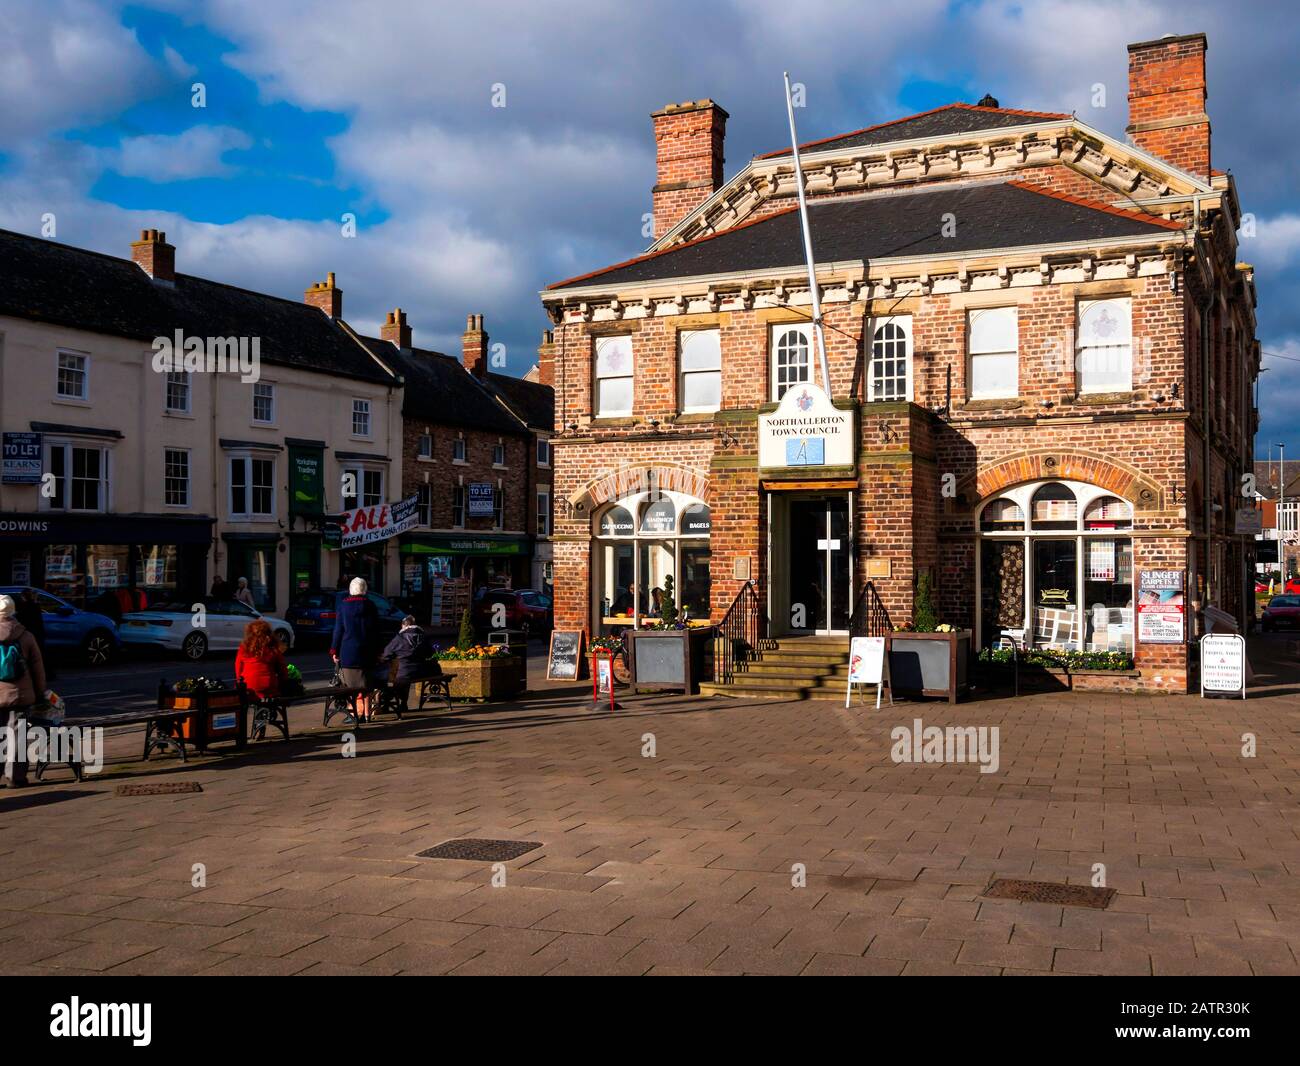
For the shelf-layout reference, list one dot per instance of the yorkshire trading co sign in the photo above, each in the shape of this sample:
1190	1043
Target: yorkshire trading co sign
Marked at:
806	429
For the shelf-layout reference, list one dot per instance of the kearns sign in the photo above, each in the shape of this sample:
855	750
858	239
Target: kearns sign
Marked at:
806	429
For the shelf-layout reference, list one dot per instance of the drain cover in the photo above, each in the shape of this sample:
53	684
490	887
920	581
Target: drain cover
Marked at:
1050	892
480	850
162	788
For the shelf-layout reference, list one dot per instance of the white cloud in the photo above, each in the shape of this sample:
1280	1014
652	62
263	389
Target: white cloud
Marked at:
1276	242
194	153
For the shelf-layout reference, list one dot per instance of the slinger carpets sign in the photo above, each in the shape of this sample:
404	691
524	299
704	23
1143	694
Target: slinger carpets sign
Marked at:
805	430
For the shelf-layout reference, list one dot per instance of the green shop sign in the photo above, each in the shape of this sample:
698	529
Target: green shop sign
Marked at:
465	546
306	481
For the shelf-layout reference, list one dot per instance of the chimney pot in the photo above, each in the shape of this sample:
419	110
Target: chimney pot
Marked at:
152	254
688	159
326	296
474	347
395	330
1166	101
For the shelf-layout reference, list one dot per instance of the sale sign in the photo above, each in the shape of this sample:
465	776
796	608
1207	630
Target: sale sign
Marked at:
366	525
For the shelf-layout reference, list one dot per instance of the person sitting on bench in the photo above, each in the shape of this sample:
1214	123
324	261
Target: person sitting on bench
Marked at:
412	653
259	663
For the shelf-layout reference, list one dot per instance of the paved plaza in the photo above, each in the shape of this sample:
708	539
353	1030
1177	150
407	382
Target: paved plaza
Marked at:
683	862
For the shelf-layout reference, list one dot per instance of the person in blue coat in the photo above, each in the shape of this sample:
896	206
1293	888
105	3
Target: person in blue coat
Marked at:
354	646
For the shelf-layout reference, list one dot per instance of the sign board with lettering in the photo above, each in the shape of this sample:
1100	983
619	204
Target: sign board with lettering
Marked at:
564	662
868	665
481	499
806	429
306	488
1160	607
1249	520
1223	664
368	525
22	459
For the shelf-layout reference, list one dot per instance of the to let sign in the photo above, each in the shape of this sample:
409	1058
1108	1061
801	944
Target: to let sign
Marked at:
481	499
22	459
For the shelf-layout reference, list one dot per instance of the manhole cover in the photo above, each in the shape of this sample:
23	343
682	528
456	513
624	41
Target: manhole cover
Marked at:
480	850
1050	892
162	788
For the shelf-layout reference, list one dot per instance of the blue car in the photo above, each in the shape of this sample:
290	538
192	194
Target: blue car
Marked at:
92	637
312	614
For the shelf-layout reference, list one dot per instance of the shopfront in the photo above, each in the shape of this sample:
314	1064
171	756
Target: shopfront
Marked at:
254	556
81	557
440	571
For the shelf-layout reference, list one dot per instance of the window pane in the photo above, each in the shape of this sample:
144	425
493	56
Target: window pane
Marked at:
616	522
693	590
1055	508
993	375
702	391
659	517
1108	593
614	397
1105	322
1056	617
1106	369
1108	512
993	330
889	363
613	356
791	360
1002	514
701	350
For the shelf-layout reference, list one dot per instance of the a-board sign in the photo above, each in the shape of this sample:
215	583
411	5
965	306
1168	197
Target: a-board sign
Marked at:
1223	664
867	666
564	662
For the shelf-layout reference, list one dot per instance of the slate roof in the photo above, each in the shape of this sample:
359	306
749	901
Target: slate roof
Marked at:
1007	214
56	283
531	401
440	390
946	121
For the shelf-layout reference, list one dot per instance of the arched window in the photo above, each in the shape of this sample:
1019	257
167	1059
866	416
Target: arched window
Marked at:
791	364
1002	516
1108	512
1055	507
659	517
697	521
616	522
888	374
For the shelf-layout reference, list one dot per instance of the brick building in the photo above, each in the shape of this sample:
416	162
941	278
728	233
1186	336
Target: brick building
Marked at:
471	454
1041	351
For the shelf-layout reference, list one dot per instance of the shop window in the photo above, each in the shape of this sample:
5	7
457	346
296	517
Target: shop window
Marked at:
156	569
544	512
176	477
252	487
1105	345
80	477
1108	512
263	403
697	521
73	381
614	377
659	517
993	339
63	576
1002	515
889	371
700	385
791	358
178	392
616	522
360	418
1055	507
106	568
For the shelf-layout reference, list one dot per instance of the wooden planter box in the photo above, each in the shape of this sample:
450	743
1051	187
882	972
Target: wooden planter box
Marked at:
483	679
930	664
670	658
218	715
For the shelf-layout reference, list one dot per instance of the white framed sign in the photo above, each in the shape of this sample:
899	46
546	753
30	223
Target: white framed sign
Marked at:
1223	663
867	666
806	429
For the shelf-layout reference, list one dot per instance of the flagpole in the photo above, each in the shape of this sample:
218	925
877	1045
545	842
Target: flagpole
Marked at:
819	335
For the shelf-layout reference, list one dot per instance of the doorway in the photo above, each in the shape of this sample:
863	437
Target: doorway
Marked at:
818	565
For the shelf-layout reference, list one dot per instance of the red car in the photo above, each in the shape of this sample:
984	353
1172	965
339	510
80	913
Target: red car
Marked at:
1281	611
1292	586
525	609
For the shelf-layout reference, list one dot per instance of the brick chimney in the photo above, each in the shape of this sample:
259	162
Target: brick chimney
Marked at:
473	347
152	254
546	359
688	158
395	330
1166	101
325	295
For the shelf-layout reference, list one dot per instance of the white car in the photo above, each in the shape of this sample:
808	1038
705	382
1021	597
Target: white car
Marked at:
179	627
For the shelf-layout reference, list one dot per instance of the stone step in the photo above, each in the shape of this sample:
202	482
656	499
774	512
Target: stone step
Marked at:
749	680
773	692
804	656
779	666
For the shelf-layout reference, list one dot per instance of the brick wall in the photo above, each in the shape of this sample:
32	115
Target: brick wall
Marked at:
443	473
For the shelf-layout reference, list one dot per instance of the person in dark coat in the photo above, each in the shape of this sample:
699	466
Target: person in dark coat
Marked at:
408	657
354	646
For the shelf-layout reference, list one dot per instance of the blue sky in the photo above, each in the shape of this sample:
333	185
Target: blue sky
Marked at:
384	113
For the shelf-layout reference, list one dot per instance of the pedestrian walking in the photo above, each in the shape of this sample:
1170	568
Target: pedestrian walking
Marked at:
354	646
22	681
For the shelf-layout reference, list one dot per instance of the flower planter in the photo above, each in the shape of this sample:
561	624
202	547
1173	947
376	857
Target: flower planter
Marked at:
483	679
676	659
218	715
930	664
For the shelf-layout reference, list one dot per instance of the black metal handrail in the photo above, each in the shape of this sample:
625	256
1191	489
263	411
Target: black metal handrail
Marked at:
738	638
869	618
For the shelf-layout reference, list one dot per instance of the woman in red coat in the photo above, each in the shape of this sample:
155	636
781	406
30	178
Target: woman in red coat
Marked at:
259	663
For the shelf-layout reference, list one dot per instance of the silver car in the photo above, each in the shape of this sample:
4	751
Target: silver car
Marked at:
182	627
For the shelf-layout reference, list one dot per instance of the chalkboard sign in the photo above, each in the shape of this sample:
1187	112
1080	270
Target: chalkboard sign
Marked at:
565	660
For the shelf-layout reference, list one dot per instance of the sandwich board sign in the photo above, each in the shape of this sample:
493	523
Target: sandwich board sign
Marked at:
1223	664
868	665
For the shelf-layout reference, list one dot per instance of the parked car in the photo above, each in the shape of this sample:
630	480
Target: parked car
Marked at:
525	609
171	626
1281	611
68	629
312	614
1292	586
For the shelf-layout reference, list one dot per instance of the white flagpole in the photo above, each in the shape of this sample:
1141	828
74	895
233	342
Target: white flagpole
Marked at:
807	246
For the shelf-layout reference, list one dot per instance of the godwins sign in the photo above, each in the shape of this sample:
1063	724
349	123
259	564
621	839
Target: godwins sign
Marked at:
806	429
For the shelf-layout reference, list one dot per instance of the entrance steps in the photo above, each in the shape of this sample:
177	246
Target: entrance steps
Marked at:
798	668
